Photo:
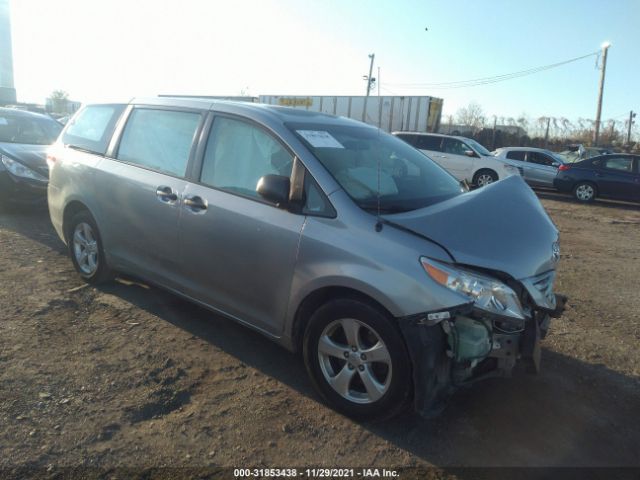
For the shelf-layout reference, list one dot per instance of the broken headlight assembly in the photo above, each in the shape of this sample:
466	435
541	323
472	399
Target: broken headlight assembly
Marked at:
487	294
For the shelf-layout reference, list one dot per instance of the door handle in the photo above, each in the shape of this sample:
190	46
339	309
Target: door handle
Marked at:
195	204
599	174
166	194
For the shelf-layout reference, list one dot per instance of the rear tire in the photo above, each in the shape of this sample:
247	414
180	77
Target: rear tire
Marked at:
85	248
484	177
357	359
585	192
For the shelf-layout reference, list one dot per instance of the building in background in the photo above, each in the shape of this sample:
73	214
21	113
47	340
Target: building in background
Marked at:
62	106
7	88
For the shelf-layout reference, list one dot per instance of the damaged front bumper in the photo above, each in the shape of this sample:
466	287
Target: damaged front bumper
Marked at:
464	344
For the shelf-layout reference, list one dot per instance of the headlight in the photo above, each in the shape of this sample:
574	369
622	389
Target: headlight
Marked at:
487	293
19	170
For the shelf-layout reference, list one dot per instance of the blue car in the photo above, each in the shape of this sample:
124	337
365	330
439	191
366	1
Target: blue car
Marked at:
614	176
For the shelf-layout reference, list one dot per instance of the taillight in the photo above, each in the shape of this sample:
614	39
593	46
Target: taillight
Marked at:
51	160
564	167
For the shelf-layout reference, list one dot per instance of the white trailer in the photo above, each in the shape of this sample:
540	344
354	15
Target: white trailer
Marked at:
390	113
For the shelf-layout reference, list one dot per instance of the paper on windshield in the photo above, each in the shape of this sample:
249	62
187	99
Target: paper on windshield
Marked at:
320	139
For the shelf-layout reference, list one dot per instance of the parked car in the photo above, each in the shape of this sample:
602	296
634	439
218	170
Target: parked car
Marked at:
575	153
614	176
24	139
537	166
463	157
325	234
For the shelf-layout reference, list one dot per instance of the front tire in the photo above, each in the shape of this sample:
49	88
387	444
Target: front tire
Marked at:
585	192
484	177
357	359
85	247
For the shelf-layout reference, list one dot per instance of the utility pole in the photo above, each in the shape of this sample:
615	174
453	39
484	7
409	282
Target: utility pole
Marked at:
632	115
546	133
371	56
493	134
378	81
603	70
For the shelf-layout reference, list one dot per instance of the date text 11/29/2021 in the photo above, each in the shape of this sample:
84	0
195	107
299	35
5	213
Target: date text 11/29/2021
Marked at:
315	472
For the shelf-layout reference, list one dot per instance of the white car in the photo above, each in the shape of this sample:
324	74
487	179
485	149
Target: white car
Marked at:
463	157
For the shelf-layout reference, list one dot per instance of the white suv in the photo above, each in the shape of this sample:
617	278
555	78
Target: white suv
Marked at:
463	157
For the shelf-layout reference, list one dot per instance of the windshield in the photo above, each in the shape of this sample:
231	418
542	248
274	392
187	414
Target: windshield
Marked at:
368	163
28	130
477	147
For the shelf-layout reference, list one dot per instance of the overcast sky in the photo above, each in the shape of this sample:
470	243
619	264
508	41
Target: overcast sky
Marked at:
101	50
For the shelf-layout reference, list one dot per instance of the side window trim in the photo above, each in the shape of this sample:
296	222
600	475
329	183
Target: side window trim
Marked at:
114	145
110	129
195	170
604	166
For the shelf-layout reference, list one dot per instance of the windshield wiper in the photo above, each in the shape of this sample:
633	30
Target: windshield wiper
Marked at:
373	207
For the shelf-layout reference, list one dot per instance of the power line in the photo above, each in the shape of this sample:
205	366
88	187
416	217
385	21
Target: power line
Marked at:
488	80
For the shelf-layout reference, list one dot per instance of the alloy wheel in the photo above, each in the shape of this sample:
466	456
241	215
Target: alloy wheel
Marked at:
85	248
484	179
354	360
585	192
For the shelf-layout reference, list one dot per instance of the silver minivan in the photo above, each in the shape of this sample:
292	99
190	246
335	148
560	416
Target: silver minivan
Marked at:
327	235
539	167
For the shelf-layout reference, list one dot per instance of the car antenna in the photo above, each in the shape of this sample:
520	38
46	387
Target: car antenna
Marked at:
379	220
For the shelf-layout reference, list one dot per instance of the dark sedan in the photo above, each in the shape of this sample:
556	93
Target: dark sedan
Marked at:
24	139
613	176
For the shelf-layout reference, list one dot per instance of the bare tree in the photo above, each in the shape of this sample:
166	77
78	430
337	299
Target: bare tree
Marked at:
471	116
59	101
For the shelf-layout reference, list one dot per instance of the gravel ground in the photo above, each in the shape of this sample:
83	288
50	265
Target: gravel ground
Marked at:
127	375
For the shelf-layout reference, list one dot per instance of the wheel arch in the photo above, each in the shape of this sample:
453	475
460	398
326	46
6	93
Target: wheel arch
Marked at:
477	173
319	297
72	208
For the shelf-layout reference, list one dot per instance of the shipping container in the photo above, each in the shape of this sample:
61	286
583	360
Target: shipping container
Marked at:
390	113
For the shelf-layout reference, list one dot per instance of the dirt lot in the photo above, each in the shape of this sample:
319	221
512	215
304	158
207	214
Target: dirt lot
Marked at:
128	375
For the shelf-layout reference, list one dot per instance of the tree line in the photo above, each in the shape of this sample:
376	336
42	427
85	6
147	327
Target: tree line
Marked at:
543	132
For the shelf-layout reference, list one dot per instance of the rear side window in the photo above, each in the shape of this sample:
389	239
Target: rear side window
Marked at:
427	142
622	164
239	153
159	139
540	159
410	139
516	155
92	127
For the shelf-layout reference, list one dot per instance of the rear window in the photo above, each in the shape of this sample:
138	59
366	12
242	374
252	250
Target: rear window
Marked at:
92	127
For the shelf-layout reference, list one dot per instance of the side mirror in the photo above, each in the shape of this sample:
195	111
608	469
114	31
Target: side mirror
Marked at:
470	153
555	164
274	188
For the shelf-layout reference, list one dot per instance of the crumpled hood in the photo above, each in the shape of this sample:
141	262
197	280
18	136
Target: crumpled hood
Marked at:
32	156
502	227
